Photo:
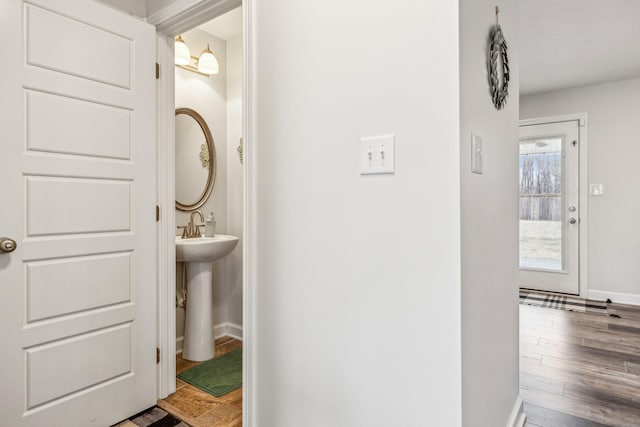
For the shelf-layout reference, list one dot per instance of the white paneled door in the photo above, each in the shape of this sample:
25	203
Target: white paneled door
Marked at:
77	196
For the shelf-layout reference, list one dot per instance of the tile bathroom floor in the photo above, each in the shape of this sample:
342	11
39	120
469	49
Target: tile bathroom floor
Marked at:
198	408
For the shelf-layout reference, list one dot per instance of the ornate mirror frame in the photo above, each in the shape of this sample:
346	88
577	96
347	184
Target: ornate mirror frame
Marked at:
212	160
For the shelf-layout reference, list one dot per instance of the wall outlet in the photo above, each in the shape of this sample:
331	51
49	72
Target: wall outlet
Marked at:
477	154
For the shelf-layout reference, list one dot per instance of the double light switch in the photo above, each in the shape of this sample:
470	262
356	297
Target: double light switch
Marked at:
377	155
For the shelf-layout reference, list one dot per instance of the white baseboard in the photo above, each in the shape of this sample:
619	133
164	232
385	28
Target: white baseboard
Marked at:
226	329
617	297
234	331
220	330
518	416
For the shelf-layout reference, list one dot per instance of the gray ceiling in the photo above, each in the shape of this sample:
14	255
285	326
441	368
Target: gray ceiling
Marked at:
568	43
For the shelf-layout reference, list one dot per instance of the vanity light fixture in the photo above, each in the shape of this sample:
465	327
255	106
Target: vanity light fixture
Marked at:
183	56
206	64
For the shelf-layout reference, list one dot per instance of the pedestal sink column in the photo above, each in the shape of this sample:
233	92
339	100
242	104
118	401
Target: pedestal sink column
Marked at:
200	253
198	329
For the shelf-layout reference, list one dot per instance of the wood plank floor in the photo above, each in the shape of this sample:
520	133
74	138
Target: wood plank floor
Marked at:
580	369
198	408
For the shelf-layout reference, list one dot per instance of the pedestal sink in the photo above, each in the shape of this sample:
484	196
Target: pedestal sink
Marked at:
200	253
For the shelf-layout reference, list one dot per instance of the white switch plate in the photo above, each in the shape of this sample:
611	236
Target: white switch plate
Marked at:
477	154
596	189
377	155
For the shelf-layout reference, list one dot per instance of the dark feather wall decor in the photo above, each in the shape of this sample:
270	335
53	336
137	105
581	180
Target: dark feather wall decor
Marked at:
498	78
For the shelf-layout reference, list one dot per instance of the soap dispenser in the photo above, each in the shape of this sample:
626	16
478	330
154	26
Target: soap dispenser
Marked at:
210	226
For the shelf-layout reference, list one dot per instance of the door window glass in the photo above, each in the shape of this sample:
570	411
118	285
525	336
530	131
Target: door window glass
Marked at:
541	201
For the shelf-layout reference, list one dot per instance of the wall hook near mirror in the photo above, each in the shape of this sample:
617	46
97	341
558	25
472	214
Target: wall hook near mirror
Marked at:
204	155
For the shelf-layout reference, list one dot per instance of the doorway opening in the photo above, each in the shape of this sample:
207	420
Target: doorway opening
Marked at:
205	311
219	100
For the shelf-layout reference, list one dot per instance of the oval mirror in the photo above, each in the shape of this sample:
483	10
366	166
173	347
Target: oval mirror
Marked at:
195	160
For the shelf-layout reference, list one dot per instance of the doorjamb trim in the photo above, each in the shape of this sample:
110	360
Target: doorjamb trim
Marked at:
583	188
166	200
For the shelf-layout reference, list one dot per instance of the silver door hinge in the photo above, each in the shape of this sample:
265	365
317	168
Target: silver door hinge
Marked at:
157	213
157	355
157	71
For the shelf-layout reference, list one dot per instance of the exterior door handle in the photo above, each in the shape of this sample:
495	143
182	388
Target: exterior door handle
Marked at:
7	245
572	221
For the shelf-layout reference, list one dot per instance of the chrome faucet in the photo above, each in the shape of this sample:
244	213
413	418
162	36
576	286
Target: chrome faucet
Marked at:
192	230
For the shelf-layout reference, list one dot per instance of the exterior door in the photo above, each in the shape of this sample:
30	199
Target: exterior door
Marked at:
549	207
77	166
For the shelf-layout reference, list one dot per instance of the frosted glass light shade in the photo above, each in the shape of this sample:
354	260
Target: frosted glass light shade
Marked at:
182	54
208	63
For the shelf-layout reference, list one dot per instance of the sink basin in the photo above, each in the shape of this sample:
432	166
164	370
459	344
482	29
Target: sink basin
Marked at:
204	249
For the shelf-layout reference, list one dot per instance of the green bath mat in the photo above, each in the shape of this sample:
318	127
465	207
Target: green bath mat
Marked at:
217	376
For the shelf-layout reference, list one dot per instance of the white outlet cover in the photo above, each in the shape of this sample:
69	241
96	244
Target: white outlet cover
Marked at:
477	154
377	155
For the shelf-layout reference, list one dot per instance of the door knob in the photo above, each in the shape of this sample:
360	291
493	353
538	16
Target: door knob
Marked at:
572	221
7	245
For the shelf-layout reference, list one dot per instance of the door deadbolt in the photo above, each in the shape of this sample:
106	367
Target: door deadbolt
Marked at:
572	208
7	245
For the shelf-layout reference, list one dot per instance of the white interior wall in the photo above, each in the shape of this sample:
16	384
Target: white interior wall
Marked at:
207	95
133	7
153	6
489	220
358	278
233	280
613	230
